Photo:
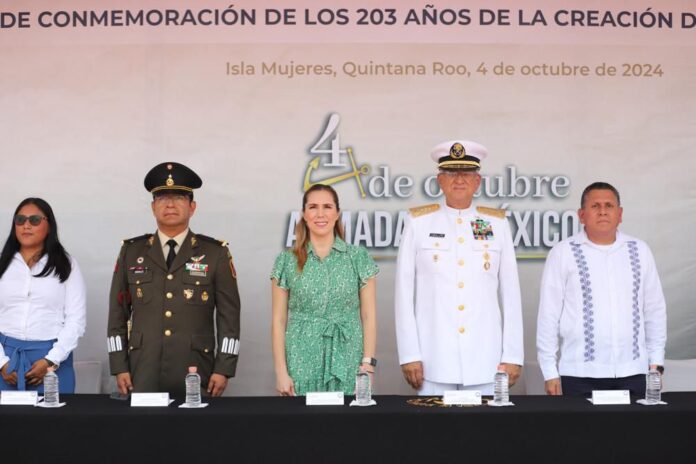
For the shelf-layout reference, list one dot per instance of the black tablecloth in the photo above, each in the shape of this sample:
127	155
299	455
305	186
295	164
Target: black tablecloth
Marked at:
96	429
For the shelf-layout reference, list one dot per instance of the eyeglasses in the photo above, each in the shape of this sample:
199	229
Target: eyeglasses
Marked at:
34	219
176	198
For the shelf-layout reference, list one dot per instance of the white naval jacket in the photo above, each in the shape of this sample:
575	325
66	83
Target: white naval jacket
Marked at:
606	306
448	300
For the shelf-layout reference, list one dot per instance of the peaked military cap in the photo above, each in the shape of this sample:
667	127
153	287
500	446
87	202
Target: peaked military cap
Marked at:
171	176
459	154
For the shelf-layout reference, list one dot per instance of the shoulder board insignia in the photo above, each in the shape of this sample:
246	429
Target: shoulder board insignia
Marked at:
205	238
499	213
137	239
423	210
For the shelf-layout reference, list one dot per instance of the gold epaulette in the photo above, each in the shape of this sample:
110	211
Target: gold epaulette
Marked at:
499	213
423	210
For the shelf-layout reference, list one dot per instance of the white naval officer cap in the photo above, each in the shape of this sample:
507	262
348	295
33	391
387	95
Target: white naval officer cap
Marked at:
459	154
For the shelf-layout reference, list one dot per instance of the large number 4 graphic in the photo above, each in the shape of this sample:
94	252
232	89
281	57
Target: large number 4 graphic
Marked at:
335	160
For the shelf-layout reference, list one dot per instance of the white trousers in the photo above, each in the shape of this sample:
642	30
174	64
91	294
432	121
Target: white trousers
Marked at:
438	389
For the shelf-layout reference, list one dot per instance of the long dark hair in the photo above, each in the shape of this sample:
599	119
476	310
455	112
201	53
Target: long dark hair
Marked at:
58	259
301	230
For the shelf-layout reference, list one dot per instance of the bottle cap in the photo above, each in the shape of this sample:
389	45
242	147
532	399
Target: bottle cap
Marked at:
193	369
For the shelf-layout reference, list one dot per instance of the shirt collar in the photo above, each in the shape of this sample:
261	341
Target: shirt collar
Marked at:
338	245
42	260
457	212
582	238
179	239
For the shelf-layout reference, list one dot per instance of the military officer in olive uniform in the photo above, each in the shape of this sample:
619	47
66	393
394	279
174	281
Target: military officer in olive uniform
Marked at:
169	292
458	309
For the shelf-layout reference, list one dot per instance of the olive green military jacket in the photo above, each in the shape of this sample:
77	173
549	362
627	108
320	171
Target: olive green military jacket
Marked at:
161	321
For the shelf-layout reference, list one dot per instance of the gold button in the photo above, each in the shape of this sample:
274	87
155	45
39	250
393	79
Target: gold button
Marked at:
460	285
460	239
437	244
170	276
461	307
460	262
459	220
137	282
169	295
167	332
205	350
198	282
131	347
462	330
168	313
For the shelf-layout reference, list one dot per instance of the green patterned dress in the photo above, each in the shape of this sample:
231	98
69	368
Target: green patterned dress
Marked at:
324	339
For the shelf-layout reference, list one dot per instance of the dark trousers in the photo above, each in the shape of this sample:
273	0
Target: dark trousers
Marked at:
583	386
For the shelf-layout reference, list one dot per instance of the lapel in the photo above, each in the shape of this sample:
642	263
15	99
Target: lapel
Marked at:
155	252
185	251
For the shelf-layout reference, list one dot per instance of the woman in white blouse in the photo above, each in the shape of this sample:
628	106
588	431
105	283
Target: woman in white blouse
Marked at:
42	302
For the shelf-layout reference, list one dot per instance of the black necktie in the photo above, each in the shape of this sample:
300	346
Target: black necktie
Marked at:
172	254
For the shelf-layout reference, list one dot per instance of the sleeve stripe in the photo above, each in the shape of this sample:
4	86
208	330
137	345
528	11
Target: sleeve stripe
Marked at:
114	343
235	350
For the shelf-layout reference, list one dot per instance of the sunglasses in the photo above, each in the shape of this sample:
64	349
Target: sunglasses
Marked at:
34	219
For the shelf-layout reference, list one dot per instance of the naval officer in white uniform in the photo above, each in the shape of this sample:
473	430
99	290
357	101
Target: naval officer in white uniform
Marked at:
458	310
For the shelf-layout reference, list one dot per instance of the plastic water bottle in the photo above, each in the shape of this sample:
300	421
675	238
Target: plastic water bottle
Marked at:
653	387
193	387
363	388
51	395
500	388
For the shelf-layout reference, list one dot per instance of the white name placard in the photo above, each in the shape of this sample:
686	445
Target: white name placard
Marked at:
611	397
324	399
468	397
15	398
149	400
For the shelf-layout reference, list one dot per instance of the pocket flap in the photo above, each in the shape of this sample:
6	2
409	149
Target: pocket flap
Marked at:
136	340
490	245
435	243
139	278
189	279
203	343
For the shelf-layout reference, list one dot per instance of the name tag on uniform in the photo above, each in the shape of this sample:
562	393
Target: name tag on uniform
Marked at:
150	400
466	397
19	398
610	397
324	399
197	269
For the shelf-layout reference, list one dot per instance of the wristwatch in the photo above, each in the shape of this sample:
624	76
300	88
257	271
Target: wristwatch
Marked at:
370	361
51	363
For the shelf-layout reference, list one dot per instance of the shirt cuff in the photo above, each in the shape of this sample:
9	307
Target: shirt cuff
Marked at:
409	359
550	372
512	360
54	355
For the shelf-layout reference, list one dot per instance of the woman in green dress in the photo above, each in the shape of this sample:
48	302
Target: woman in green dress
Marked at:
324	323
